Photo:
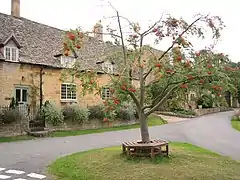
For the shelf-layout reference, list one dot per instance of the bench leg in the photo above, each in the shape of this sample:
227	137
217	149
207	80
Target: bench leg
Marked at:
128	151
123	149
167	150
152	153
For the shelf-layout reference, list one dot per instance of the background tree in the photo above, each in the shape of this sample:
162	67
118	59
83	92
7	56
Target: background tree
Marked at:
232	69
179	67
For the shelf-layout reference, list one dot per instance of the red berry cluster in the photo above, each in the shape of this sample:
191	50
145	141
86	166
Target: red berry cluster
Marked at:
73	39
183	86
217	89
126	87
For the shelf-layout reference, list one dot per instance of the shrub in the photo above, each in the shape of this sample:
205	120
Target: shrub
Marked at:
11	115
184	112
173	104
75	113
207	101
52	114
13	103
96	112
127	112
235	118
200	101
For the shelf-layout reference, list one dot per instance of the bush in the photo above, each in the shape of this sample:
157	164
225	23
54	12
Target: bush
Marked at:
235	118
75	113
11	115
52	114
184	112
200	101
127	112
207	101
96	112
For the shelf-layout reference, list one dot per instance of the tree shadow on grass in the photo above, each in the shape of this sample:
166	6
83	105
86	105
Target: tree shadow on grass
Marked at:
157	160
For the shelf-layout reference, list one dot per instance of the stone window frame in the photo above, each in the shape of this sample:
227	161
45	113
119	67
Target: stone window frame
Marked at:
108	67
11	50
73	93
106	94
64	61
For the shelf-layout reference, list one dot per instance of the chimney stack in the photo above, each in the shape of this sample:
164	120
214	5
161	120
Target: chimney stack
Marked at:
15	11
98	30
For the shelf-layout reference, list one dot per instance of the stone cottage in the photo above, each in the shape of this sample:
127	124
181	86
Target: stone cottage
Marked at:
30	51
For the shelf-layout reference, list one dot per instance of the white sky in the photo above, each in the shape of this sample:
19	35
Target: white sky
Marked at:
73	13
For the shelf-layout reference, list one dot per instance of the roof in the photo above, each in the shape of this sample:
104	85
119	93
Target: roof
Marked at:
40	43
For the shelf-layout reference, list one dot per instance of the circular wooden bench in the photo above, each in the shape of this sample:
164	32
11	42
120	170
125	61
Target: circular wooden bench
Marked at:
152	149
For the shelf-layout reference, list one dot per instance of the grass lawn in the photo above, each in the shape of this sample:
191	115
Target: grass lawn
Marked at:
185	162
15	138
153	120
236	124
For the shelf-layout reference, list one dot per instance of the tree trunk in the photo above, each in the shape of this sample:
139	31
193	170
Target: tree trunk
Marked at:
144	128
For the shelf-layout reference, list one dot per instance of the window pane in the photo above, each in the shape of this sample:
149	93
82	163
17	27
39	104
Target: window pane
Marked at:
18	95
14	54
73	91
69	93
63	91
24	95
105	93
74	96
8	54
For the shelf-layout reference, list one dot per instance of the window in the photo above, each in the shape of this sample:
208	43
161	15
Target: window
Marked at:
105	93
68	91
21	95
11	53
67	61
108	67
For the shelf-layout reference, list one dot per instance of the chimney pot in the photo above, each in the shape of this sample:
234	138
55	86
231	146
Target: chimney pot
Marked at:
15	8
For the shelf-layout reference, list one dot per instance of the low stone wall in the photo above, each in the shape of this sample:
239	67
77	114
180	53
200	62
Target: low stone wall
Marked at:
166	113
13	129
200	112
93	124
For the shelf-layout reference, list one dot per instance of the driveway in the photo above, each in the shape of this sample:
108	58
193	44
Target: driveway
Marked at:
213	132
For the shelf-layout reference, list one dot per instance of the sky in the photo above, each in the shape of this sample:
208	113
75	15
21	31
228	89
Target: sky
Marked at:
74	13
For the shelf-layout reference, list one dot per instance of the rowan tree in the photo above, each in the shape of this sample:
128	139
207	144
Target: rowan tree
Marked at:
178	67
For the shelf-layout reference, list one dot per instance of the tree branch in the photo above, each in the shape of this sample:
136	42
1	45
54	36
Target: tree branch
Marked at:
121	35
170	84
161	101
145	33
110	34
150	70
135	100
142	88
130	23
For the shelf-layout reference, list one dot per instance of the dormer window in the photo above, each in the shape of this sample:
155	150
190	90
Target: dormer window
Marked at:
67	61
107	67
11	53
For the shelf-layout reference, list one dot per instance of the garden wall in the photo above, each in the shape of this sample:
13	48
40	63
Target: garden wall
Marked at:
200	112
92	124
13	129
